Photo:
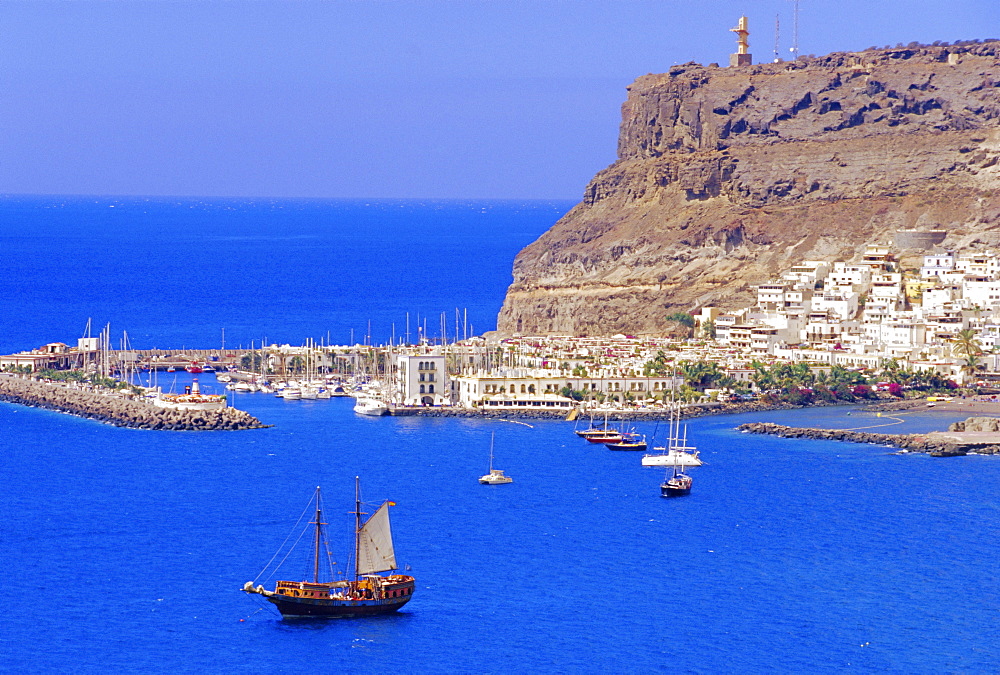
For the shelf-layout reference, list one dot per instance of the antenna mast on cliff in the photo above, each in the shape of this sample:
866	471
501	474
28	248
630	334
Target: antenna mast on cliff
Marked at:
795	30
777	37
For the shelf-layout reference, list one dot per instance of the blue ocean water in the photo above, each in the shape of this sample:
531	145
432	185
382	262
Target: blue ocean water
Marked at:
178	272
124	550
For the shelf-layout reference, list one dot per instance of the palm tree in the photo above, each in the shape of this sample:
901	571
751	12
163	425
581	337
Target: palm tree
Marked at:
964	343
970	364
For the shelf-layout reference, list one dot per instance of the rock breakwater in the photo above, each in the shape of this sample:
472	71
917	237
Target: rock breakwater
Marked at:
121	412
936	444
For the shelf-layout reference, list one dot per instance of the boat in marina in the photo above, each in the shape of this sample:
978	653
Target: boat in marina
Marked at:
192	399
676	452
676	484
593	430
367	593
604	434
676	455
495	476
630	440
368	405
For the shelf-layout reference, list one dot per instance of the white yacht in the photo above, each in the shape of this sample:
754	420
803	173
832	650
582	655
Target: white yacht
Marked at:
366	405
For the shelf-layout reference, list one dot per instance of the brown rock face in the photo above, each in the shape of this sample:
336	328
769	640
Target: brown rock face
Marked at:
727	176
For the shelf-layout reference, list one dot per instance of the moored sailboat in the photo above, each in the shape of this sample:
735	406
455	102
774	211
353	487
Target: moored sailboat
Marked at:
368	593
676	485
495	476
630	440
676	452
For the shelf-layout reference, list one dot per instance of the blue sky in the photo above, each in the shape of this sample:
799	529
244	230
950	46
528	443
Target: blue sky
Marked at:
370	98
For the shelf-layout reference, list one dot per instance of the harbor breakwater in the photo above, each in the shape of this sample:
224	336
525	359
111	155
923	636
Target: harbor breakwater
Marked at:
115	410
960	439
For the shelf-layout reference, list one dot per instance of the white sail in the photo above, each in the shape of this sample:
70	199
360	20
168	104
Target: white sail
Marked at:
375	552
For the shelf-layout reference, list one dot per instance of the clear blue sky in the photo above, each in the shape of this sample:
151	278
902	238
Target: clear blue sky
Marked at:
370	98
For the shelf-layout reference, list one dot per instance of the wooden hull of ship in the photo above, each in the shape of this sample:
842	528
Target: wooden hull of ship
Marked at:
311	608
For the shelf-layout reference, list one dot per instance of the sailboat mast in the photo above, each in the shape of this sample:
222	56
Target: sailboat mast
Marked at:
318	539
357	526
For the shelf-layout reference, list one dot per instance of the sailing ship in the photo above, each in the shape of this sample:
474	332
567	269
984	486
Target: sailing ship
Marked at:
367	594
495	476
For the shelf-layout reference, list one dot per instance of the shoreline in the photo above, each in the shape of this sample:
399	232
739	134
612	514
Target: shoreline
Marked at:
951	443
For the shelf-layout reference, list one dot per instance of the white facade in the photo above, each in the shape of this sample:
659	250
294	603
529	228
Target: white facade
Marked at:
843	305
936	299
847	277
422	380
980	264
808	273
982	294
936	265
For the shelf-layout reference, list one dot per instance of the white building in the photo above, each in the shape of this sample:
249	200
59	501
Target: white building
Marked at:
807	273
978	264
936	265
842	305
422	379
847	277
935	300
982	294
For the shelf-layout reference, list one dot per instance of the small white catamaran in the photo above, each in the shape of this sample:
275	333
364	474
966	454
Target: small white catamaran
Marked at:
495	476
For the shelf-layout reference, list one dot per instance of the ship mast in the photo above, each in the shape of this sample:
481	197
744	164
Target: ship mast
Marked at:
319	523
357	526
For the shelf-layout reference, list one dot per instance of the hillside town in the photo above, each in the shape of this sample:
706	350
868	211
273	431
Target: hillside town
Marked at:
870	323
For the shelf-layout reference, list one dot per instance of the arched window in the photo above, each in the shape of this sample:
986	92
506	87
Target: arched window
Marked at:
421	389
430	389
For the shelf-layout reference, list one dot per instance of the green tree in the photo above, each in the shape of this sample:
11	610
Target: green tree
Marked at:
685	320
964	343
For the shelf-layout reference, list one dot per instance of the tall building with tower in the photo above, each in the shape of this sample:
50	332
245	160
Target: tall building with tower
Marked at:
742	57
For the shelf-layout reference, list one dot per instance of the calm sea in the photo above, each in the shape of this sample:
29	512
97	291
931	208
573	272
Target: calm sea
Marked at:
124	550
176	273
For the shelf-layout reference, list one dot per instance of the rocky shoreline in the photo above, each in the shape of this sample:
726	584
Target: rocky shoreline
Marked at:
121	412
962	438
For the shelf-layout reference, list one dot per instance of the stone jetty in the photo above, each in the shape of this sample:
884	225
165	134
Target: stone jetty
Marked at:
975	435
111	408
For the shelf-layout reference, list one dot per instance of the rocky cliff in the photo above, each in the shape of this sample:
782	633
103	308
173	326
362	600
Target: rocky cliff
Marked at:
727	176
